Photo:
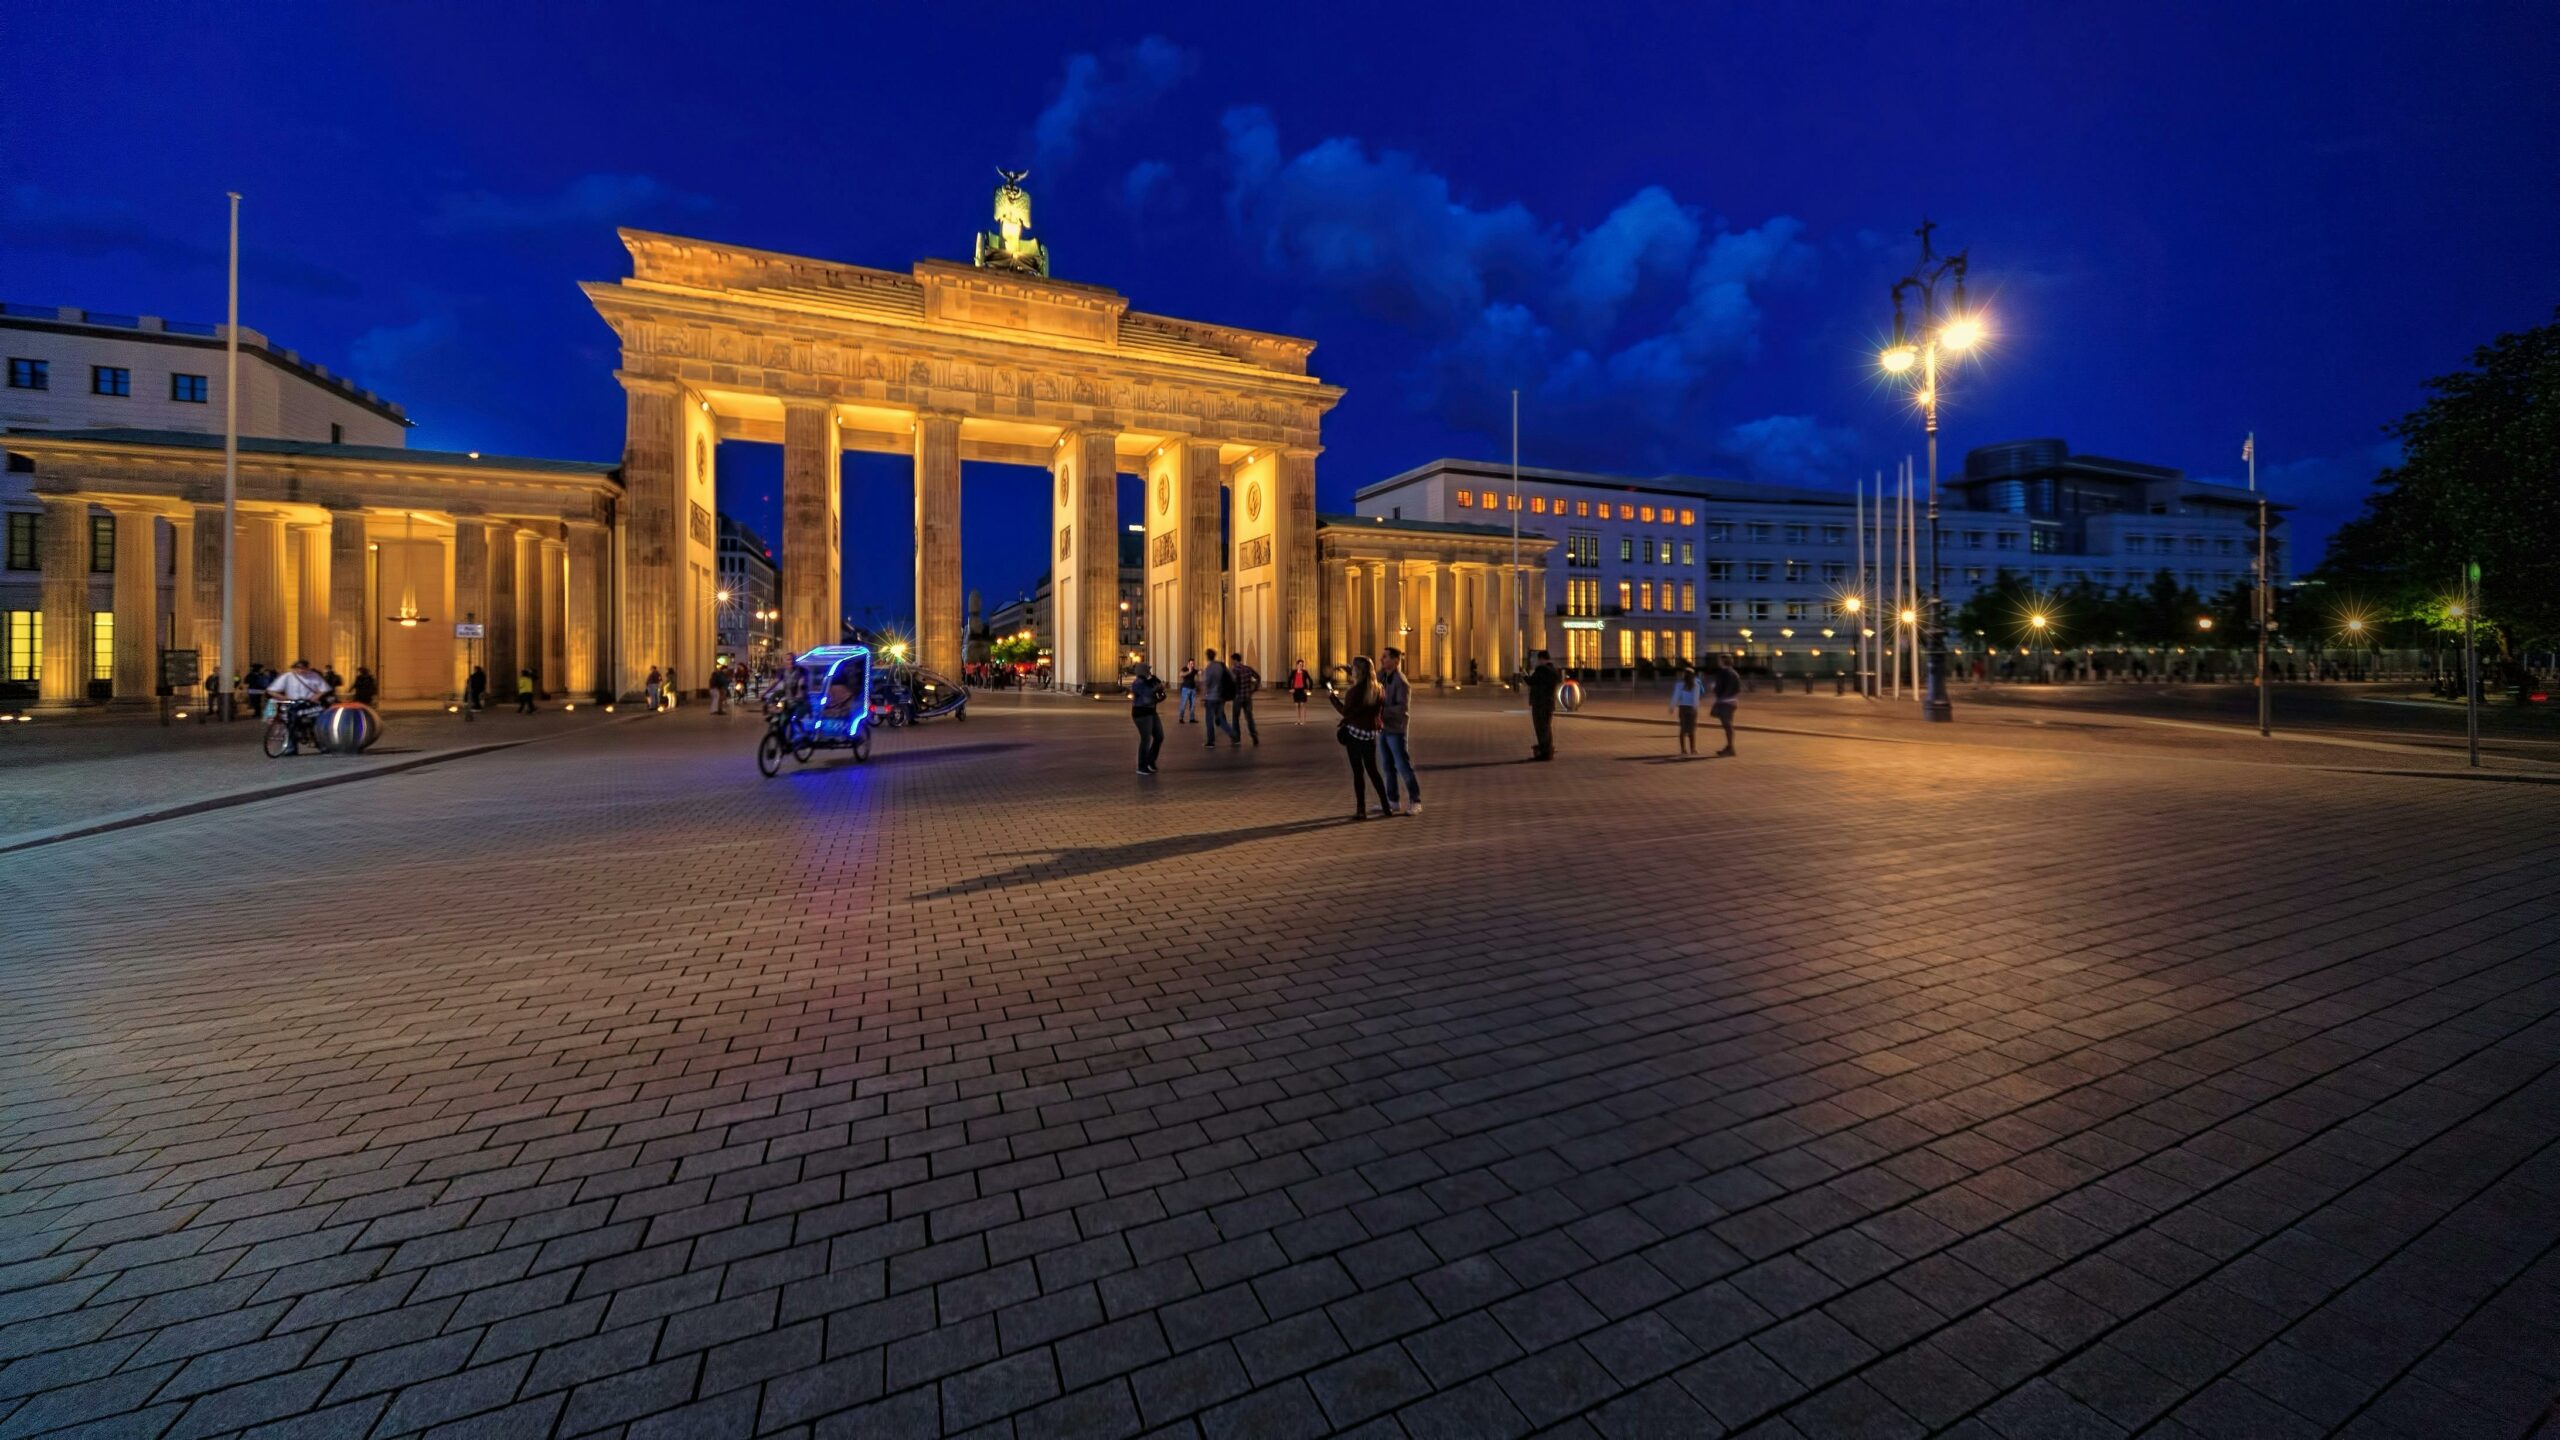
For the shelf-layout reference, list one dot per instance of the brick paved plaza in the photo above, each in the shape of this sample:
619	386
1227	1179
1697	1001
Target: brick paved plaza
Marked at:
1993	1085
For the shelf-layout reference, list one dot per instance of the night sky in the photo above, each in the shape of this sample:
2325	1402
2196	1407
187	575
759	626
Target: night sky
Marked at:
1673	229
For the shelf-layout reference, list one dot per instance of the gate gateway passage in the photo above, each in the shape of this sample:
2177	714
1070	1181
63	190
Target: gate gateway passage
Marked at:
949	362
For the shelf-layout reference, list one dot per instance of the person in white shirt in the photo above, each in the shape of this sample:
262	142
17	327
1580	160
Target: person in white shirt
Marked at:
294	689
1686	693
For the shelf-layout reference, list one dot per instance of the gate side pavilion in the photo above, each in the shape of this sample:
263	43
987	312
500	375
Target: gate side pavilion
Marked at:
947	363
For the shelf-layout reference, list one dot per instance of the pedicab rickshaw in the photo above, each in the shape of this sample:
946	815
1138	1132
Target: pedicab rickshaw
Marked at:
835	715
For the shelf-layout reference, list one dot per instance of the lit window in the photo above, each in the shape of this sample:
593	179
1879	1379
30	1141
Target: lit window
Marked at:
30	375
1646	638
1688	517
1688	552
102	644
110	380
1537	504
1688	597
1626	647
1626	549
1644	596
1514	502
26	645
1645	514
1581	508
1688	645
1466	499
1626	593
1626	512
189	389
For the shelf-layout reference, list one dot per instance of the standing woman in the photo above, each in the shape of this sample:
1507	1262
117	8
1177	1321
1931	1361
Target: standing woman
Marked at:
1686	692
1300	682
1190	693
1360	708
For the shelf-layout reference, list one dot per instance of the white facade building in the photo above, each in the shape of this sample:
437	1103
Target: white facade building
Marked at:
750	592
86	370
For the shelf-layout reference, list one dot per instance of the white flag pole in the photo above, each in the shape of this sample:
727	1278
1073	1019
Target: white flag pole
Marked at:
227	664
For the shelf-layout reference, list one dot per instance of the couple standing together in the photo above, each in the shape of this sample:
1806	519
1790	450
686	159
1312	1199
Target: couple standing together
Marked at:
1377	717
1723	689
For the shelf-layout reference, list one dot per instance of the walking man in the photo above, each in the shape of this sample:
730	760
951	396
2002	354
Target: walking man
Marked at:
1395	717
1217	688
720	689
1247	680
1544	681
1685	694
524	692
1728	691
1146	692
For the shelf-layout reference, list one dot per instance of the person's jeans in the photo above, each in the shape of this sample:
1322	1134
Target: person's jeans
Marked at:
1395	759
1364	772
1188	694
1216	713
1544	722
1150	738
1244	716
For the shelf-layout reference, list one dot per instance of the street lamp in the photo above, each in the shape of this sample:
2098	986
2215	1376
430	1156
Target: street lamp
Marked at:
1956	331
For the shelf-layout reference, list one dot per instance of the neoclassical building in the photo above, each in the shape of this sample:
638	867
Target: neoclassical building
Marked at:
354	550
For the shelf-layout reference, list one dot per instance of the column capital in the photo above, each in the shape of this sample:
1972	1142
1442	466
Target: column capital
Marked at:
471	510
639	384
1299	452
805	402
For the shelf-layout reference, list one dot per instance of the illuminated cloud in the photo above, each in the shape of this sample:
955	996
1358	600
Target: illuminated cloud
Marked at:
1101	93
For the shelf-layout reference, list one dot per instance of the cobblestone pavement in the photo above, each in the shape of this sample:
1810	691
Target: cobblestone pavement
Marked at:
1844	1089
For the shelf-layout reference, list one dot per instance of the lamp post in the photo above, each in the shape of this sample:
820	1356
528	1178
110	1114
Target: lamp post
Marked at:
1955	331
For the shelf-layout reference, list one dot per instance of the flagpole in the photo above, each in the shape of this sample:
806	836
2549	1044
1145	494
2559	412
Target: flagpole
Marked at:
1519	616
227	664
2266	603
1858	621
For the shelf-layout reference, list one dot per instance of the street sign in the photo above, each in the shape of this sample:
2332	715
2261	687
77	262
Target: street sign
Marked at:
180	669
465	630
1439	627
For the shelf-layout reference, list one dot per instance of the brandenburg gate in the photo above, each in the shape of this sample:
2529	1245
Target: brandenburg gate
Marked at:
950	362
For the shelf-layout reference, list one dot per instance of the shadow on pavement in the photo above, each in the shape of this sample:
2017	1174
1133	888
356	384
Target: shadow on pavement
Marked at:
1078	860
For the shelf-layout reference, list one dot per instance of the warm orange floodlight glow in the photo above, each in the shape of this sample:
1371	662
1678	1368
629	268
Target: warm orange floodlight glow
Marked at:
1900	358
1962	333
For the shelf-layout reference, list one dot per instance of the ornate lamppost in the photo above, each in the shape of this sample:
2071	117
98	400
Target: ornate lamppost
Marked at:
1955	330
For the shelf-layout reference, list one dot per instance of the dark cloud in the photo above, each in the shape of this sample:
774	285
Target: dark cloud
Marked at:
1101	93
588	202
35	219
2325	491
1793	450
1618	336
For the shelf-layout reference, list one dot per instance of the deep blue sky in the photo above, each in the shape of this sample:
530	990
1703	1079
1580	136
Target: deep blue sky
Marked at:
1673	227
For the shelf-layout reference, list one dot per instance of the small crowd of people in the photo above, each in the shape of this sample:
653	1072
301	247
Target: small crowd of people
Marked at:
475	689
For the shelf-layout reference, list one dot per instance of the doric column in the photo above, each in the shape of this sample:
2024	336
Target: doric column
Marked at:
1444	613
1203	584
207	539
653	532
1293	550
1084	566
313	592
938	616
137	604
529	641
260	576
470	594
584	634
182	583
1483	599
62	544
289	556
1390	605
1337	615
346	652
812	533
1538	604
499	646
554	665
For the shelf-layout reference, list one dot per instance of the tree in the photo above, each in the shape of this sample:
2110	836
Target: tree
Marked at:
1014	650
2165	612
1997	613
2479	480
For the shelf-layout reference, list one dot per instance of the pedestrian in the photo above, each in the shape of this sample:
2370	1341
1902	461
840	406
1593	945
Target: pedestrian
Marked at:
366	686
212	693
524	692
336	681
1685	695
1395	718
720	689
1190	692
475	689
1300	683
1728	691
1146	692
1217	689
1359	708
1544	681
653	690
1246	680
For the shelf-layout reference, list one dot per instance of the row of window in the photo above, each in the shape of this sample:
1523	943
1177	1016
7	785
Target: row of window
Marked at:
117	380
23	632
23	555
1580	509
1586	649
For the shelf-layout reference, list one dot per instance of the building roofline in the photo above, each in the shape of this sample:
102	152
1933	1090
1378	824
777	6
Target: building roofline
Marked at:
153	329
37	442
1693	487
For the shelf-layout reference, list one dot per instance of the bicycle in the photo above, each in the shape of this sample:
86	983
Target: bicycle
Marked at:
291	727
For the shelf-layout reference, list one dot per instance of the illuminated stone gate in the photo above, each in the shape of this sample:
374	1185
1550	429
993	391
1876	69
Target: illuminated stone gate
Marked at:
946	363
